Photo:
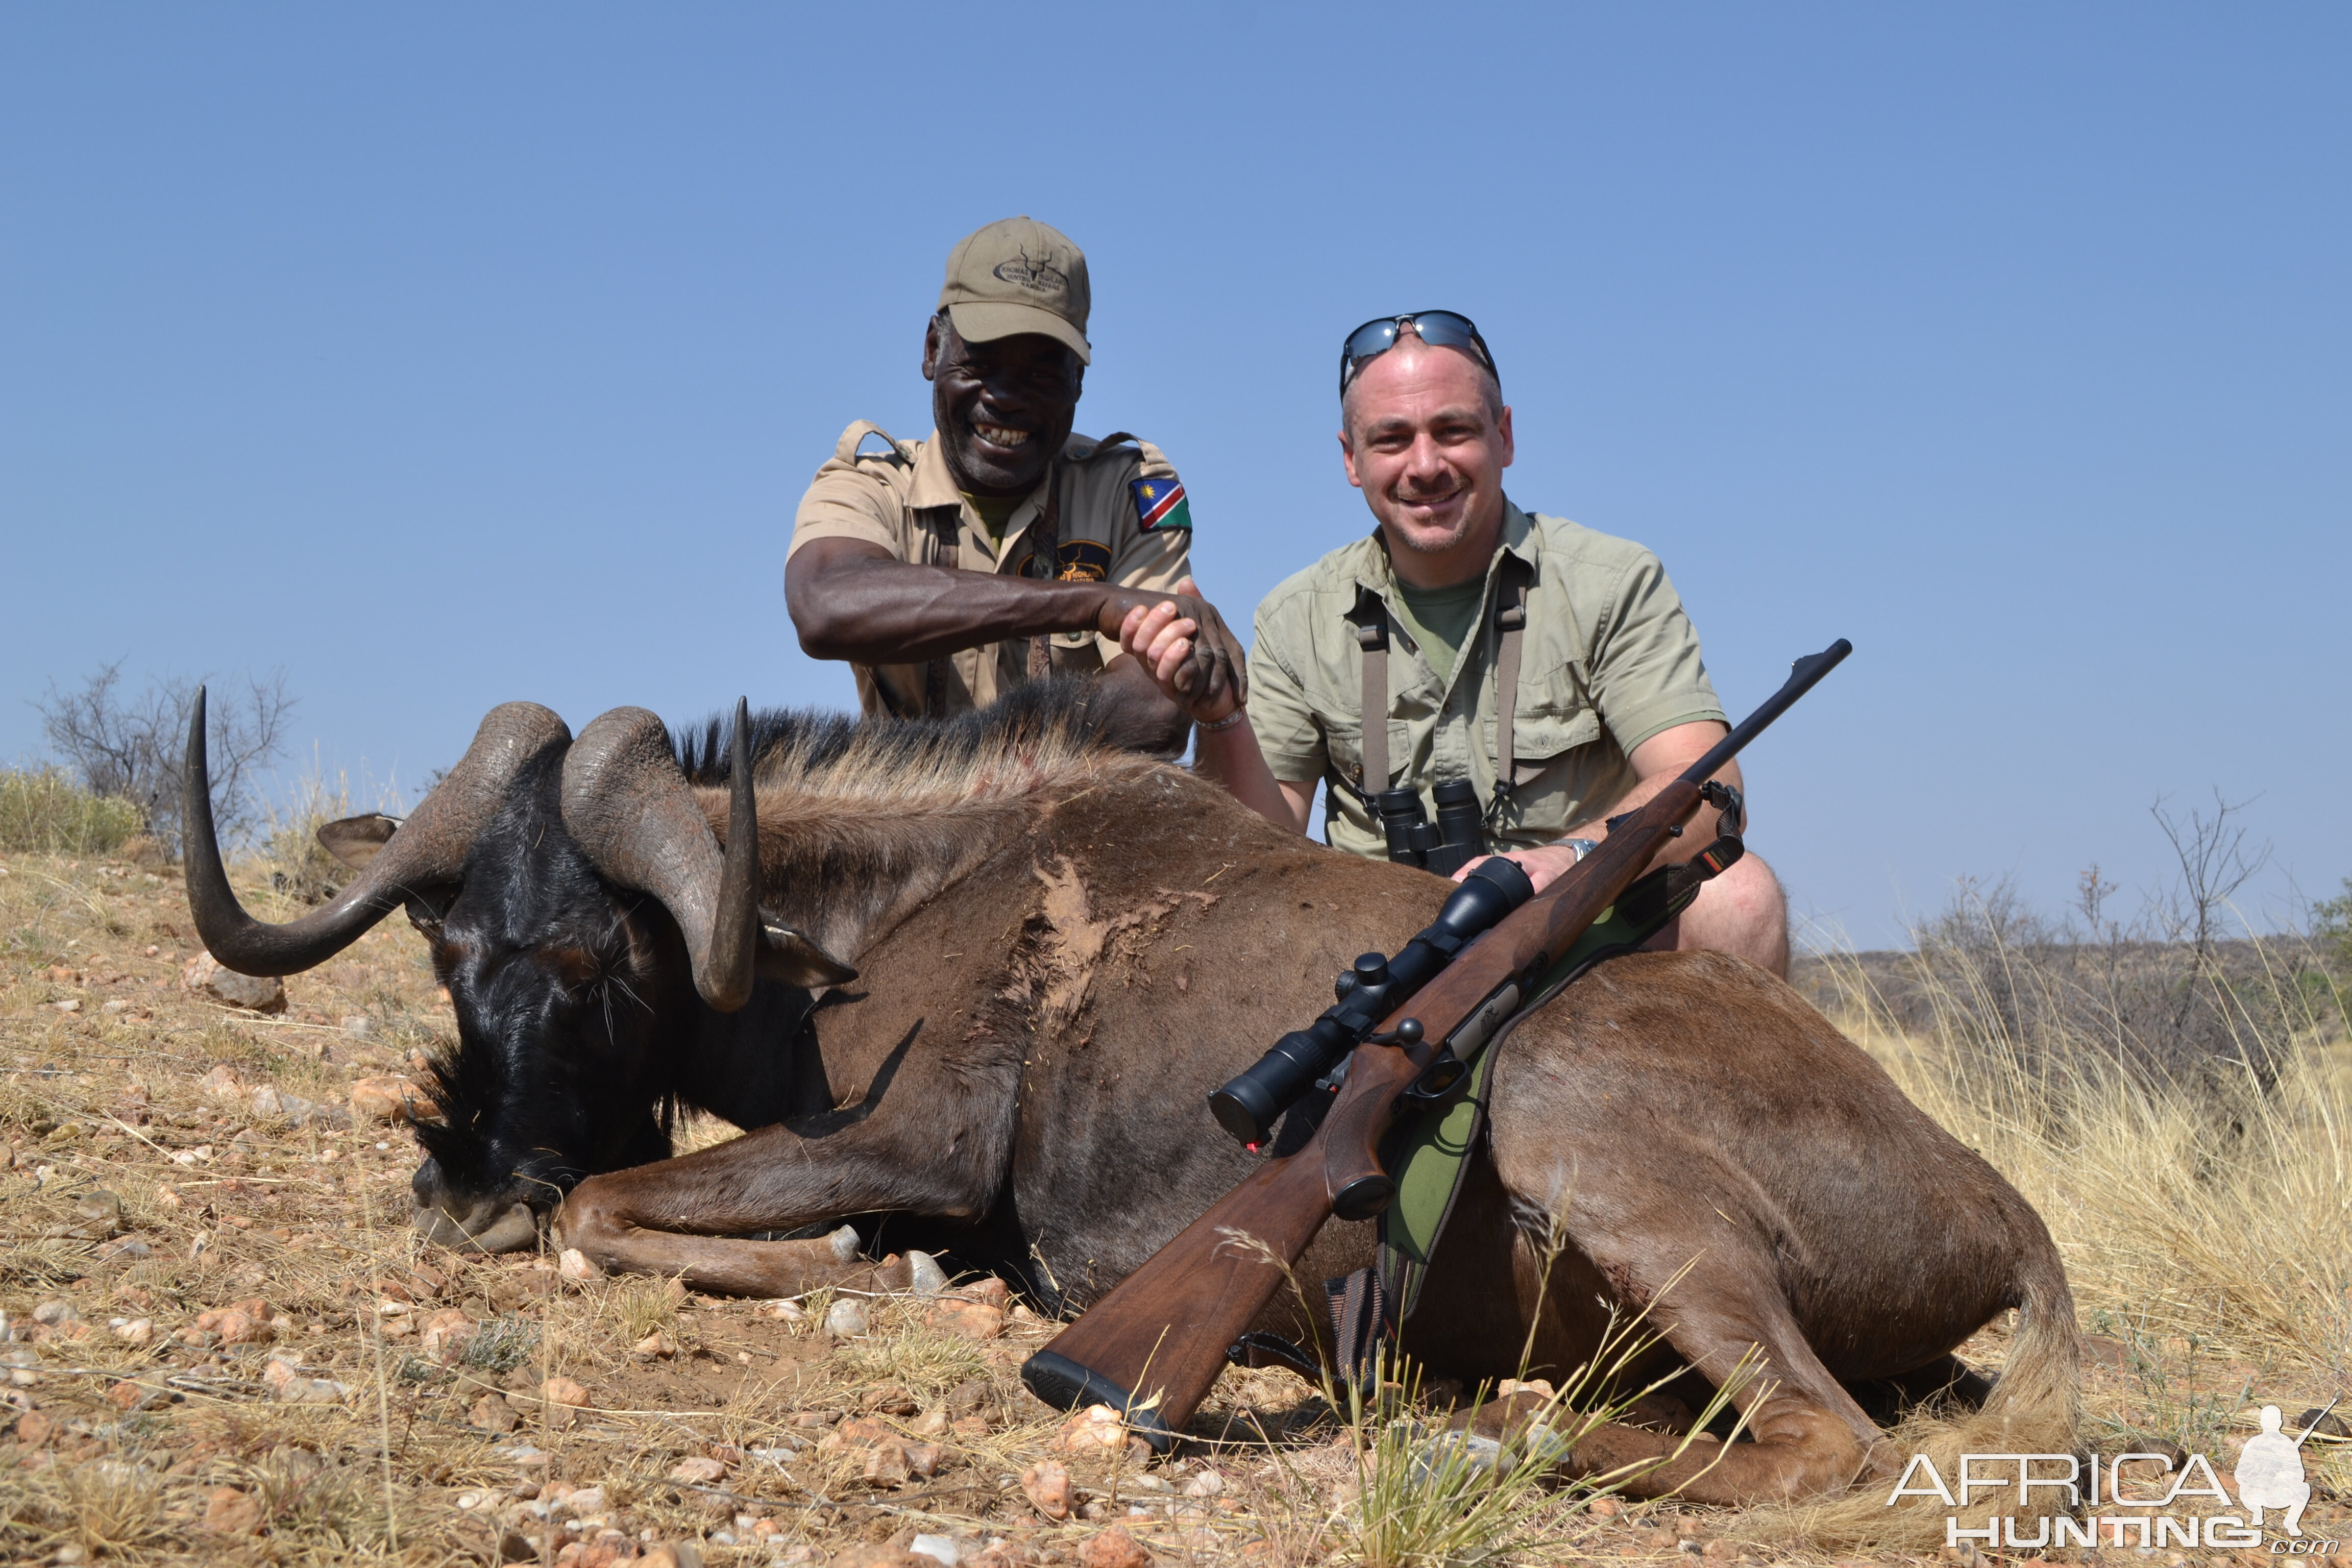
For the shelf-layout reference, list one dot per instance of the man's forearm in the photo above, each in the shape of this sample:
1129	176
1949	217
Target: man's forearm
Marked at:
873	610
1632	800
1231	757
1657	762
1639	796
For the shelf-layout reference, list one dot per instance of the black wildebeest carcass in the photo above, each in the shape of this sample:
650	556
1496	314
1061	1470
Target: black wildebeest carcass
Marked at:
1059	947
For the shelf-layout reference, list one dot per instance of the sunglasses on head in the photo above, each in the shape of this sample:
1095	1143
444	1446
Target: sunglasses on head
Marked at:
1439	329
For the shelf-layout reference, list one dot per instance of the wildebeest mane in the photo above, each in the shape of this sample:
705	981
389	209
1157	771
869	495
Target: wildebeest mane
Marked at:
863	819
1042	726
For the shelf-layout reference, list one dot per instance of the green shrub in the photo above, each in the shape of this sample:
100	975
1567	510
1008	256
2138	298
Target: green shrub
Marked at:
42	809
2331	926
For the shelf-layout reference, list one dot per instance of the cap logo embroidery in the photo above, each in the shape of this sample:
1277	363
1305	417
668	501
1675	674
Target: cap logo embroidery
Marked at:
1039	276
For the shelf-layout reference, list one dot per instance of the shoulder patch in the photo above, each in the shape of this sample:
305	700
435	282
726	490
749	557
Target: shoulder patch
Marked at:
1160	503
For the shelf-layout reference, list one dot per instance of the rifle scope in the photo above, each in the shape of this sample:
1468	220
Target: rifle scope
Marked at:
1249	1106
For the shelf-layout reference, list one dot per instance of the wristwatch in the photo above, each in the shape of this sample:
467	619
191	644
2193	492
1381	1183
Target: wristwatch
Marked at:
1582	847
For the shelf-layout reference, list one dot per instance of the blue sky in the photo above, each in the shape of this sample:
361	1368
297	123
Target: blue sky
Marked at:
445	355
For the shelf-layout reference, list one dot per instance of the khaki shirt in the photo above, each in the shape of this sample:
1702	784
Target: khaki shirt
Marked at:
902	496
1608	660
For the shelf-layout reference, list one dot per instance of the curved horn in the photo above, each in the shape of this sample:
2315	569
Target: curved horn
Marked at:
430	847
628	805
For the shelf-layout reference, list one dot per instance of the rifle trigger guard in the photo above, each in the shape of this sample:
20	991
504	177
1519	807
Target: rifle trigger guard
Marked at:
1439	1080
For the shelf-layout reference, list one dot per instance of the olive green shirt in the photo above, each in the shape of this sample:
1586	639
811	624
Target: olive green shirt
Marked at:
900	496
1608	660
1439	621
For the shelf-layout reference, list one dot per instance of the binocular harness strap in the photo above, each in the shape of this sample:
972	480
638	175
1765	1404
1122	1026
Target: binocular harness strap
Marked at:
1373	636
1510	631
1371	620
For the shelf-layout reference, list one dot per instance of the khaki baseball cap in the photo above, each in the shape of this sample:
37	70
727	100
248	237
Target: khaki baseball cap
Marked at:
1018	275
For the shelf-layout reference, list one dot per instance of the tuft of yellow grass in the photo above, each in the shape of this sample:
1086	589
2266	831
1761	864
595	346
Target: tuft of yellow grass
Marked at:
2218	1206
43	810
297	865
636	1305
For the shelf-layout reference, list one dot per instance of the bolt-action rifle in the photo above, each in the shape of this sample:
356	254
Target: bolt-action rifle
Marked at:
1154	1344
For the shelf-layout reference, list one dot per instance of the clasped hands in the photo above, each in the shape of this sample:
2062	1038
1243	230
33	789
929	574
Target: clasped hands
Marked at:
1186	647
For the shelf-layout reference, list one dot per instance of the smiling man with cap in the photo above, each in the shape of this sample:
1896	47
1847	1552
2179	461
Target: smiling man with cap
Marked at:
1002	548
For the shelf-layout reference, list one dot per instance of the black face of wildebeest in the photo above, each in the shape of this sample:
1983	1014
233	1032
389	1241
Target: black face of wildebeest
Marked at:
566	995
598	946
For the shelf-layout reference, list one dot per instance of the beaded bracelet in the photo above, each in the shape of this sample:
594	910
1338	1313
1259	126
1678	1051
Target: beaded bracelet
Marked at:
1227	722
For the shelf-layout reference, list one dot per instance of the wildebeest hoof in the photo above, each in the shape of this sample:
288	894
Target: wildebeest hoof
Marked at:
929	1278
845	1244
506	1230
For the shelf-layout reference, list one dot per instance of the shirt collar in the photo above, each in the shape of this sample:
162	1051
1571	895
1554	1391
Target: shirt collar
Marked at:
1373	569
934	485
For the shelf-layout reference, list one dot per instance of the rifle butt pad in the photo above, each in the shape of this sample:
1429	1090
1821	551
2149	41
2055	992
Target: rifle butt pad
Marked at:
1064	1384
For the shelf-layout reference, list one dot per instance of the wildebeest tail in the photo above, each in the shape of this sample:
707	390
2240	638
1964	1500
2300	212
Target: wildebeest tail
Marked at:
2035	1407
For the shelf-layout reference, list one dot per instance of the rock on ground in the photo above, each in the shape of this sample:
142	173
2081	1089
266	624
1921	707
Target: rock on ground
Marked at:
254	993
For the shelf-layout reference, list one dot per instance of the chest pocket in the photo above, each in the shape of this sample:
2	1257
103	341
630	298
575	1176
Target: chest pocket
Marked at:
1560	753
1542	741
1567	766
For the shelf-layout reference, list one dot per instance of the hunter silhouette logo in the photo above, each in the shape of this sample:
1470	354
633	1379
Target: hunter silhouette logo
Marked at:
2091	1501
2270	1471
1039	276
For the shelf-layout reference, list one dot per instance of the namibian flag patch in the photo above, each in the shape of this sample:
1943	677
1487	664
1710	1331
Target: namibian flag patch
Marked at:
1160	503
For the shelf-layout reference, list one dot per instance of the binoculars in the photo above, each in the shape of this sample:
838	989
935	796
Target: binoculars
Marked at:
1457	837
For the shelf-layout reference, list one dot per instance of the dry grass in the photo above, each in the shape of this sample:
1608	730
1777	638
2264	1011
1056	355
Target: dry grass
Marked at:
297	864
2233	1283
43	810
2205	1214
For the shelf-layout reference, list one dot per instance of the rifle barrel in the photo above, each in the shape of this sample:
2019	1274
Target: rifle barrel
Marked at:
1804	675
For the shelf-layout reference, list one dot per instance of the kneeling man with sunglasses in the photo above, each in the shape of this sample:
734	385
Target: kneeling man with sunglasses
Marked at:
1455	602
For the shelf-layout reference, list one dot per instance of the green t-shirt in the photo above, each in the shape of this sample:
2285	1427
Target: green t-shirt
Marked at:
995	511
1439	620
1608	660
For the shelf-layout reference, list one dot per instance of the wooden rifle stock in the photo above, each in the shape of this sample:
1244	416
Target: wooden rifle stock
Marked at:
1152	1347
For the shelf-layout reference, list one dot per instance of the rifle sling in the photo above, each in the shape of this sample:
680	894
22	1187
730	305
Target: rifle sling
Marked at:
1430	1152
1193	1297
